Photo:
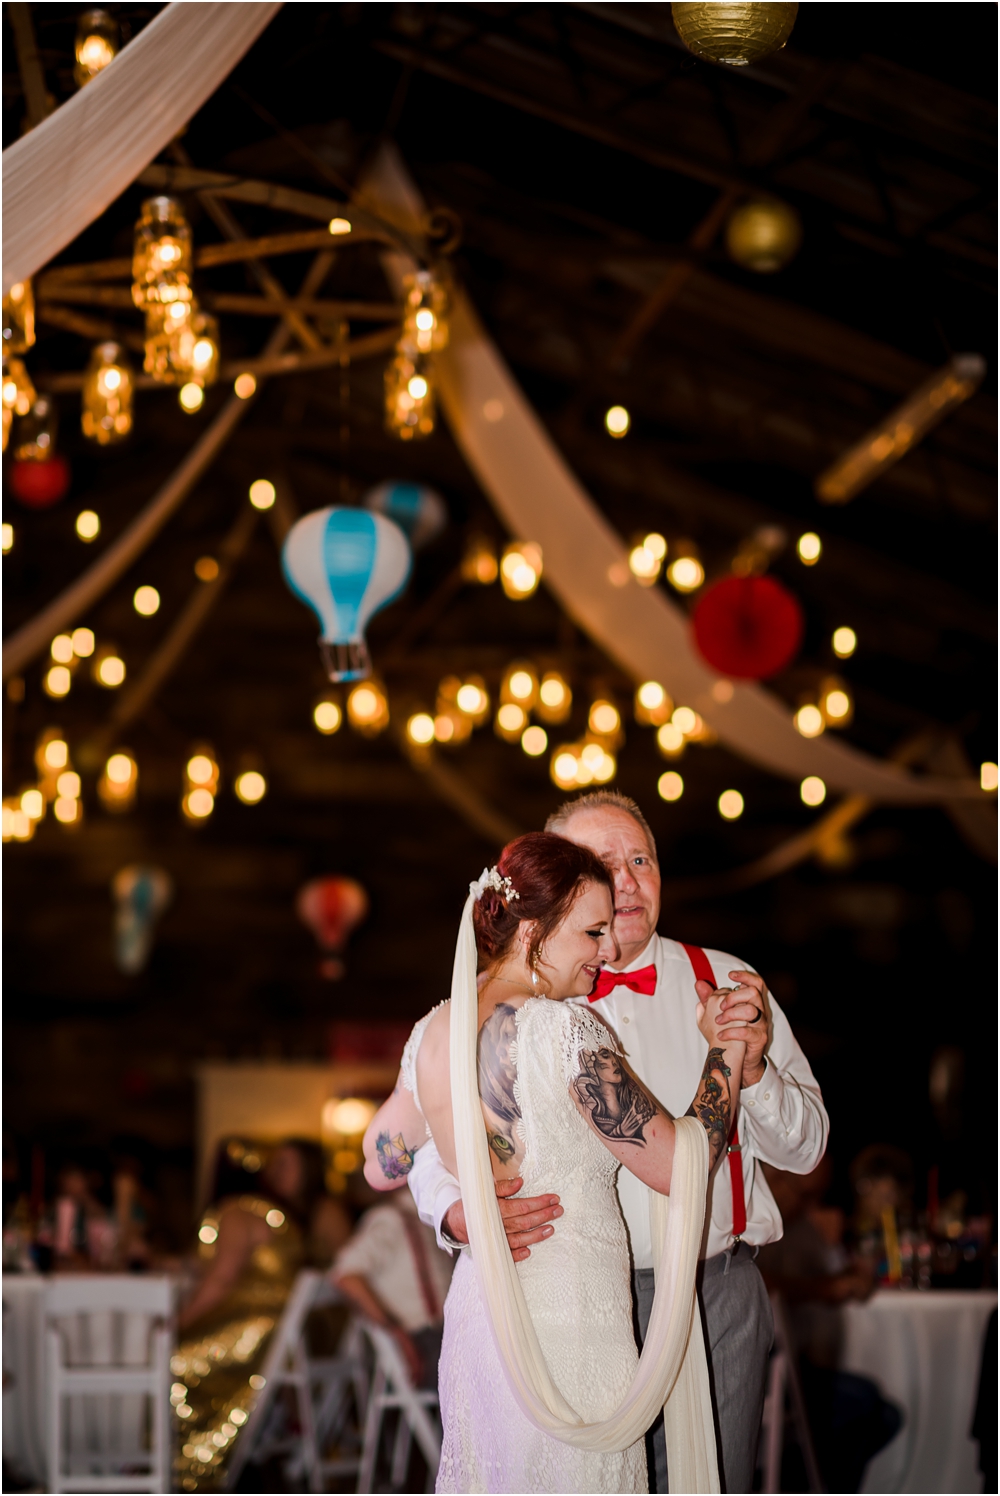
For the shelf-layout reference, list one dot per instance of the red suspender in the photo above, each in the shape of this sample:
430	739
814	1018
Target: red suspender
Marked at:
704	973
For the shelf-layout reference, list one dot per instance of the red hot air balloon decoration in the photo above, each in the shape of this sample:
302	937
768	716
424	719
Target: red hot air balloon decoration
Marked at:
38	485
332	908
748	627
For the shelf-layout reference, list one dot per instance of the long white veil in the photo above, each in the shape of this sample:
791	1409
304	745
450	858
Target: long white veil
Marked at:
672	1372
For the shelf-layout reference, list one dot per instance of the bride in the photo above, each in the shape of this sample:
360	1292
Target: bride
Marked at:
536	1403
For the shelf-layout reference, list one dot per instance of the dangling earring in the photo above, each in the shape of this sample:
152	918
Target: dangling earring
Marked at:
534	971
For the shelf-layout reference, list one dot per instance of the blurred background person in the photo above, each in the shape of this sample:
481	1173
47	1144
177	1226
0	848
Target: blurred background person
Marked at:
254	1237
85	1235
392	1271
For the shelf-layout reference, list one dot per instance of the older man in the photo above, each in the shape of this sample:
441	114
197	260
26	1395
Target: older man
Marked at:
649	999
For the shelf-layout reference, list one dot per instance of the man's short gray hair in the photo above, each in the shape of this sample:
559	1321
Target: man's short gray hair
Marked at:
599	800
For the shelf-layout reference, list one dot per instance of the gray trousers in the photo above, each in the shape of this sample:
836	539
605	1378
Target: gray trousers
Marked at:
736	1318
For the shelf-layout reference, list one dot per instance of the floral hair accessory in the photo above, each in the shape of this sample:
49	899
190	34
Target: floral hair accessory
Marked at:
491	877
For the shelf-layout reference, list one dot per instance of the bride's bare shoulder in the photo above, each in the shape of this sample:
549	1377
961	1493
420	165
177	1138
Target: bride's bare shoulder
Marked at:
437	1034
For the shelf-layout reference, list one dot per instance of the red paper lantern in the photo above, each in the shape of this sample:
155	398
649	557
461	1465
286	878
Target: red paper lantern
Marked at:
331	908
748	627
38	485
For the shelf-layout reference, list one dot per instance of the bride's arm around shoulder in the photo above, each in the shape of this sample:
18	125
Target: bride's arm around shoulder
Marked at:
399	1127
629	1121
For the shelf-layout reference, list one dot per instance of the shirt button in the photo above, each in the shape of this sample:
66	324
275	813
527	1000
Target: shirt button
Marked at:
751	1103
626	1019
767	1095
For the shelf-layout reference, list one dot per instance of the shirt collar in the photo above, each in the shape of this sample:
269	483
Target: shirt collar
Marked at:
647	957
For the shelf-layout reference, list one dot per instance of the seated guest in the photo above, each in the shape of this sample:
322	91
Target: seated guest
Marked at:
849	1419
84	1233
254	1243
393	1272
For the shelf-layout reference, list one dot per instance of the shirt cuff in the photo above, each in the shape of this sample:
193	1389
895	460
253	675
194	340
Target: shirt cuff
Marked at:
448	1192
764	1097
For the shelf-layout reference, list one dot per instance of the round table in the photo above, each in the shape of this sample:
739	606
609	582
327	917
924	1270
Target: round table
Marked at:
924	1351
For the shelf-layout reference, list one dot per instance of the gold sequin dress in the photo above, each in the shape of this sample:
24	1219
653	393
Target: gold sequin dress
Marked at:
216	1369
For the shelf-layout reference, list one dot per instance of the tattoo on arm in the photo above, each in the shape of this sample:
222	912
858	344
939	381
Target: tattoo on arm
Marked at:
713	1103
619	1107
497	1073
395	1159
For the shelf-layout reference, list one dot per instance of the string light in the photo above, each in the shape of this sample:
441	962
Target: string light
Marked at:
201	784
809	721
521	569
7	533
250	787
988	776
835	703
368	708
845	642
108	669
61	649
809	548
652	705
146	601
410	401
604	719
473	699
520	684
191	397
88	525
97	42
534	741
670	786
263	494
511	721
19	318
57	681
686	573
339	226
617	421
106	415
813	790
17	824
555	699
425	325
244	385
83	643
730	805
161	255
327	715
479	564
119	782
670	740
420	729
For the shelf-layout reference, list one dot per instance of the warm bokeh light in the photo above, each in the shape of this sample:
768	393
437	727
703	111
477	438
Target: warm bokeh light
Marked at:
617	421
7	533
57	681
511	720
368	708
444	728
730	805
845	642
339	226
555	699
119	768
348	1118
670	740
813	790
250	787
146	601
55	754
327	716
837	706
521	685
670	785
191	397
521	569
84	643
684	719
88	525
244	386
809	548
472	699
17	824
604	719
61	649
565	762
686	573
809	721
110	671
534	741
988	776
596	764
656	545
206	568
119	782
201	769
33	804
67	810
479	564
198	804
420	728
262	493
644	566
68	785
652	705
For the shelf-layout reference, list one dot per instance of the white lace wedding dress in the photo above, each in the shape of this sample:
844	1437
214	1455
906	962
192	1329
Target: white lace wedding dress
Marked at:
576	1285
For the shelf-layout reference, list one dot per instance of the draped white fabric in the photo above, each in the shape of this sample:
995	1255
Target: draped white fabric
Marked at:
62	175
672	1368
586	562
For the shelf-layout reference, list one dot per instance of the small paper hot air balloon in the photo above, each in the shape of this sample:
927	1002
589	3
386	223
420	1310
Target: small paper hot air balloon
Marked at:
418	511
331	908
346	564
141	894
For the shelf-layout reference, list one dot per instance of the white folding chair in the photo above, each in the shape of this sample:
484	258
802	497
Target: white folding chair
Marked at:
783	1381
108	1382
391	1388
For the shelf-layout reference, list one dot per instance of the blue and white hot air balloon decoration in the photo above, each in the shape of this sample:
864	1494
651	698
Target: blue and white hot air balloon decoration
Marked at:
345	564
418	511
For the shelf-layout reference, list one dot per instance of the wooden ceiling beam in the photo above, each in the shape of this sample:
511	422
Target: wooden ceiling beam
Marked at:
206	256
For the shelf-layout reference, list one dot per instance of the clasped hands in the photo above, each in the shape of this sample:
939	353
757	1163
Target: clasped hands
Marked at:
739	1015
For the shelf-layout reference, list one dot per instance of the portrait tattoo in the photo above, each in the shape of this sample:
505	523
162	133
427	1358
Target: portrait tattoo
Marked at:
395	1159
618	1106
713	1103
497	1074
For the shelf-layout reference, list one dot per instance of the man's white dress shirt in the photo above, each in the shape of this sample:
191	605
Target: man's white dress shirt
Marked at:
382	1252
781	1119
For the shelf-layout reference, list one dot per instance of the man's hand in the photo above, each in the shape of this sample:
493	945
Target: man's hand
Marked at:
523	1220
742	1015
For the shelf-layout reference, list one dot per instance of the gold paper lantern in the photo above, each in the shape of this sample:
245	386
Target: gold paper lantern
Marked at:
734	34
19	318
107	395
97	43
161	255
763	235
425	326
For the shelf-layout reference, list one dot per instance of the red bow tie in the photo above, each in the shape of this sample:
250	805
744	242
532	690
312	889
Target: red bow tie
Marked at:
637	981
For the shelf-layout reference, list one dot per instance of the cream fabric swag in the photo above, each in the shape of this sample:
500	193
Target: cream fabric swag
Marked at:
63	175
539	498
672	1372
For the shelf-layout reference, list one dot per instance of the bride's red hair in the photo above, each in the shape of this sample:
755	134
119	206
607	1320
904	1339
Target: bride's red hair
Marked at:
548	872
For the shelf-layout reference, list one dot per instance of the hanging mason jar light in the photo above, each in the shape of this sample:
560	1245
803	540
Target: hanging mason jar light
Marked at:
107	395
97	44
409	394
425	325
19	318
19	394
36	437
170	340
161	255
205	348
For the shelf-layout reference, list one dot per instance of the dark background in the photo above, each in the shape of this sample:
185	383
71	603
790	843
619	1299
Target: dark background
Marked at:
546	129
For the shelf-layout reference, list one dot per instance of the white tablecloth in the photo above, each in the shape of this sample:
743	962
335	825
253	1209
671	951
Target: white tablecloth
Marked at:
924	1351
23	1375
